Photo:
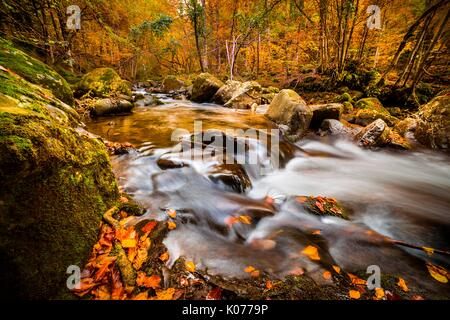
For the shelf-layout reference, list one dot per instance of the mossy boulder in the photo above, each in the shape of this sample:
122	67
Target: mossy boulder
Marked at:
374	135
325	111
433	126
370	109
172	83
204	87
345	97
102	83
108	106
289	109
56	183
34	71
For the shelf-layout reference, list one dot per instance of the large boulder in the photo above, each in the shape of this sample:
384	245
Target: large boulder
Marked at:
371	109
204	87
110	106
325	111
172	83
239	95
433	126
290	110
56	183
34	71
102	82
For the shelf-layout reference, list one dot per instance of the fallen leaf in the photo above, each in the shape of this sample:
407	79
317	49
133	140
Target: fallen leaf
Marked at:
149	282
337	269
320	206
214	294
438	273
149	226
171	213
297	271
245	219
301	199
255	274
354	294
249	269
269	285
165	294
190	266
141	296
379	293
316	232
327	275
417	297
164	257
171	225
429	251
311	252
357	281
402	284
129	243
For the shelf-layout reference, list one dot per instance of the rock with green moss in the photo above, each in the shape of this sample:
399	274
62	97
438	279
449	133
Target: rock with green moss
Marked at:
345	97
322	112
371	109
405	126
172	83
108	106
102	83
290	110
433	126
57	182
34	71
204	87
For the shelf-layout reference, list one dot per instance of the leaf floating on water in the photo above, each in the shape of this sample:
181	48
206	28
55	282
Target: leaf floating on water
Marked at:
354	294
429	251
438	273
171	213
171	225
402	284
327	275
311	252
190	266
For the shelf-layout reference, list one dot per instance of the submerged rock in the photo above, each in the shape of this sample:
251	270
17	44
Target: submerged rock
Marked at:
374	135
325	111
433	126
289	109
204	87
102	82
371	109
110	106
59	182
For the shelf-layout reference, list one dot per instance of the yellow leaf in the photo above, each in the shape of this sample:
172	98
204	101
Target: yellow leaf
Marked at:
165	294
438	273
402	284
249	269
429	251
354	294
171	225
128	243
141	296
311	252
164	257
171	213
245	219
337	269
190	266
379	293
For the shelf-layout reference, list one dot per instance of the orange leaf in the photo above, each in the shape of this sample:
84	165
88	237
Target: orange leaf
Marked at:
354	294
141	296
255	273
320	206
149	226
327	275
402	284
164	257
311	252
129	243
171	213
214	294
269	285
190	266
148	282
357	281
171	225
316	232
245	219
379	293
165	294
337	269
249	269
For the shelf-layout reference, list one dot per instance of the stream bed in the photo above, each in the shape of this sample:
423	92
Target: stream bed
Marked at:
403	196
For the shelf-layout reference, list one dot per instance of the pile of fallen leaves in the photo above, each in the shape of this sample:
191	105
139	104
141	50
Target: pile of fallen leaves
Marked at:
323	206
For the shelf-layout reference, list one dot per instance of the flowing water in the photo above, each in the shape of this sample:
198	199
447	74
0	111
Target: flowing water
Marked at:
400	195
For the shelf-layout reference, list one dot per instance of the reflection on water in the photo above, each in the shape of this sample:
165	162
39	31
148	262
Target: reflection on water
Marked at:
403	196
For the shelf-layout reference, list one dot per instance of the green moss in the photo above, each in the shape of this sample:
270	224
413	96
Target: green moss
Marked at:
102	82
34	71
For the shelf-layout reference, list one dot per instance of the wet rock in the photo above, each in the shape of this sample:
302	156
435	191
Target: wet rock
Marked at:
204	87
239	95
338	128
227	91
117	148
433	126
165	163
232	176
172	83
371	109
325	111
289	109
396	141
348	107
102	82
148	100
374	135
321	206
405	126
110	106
